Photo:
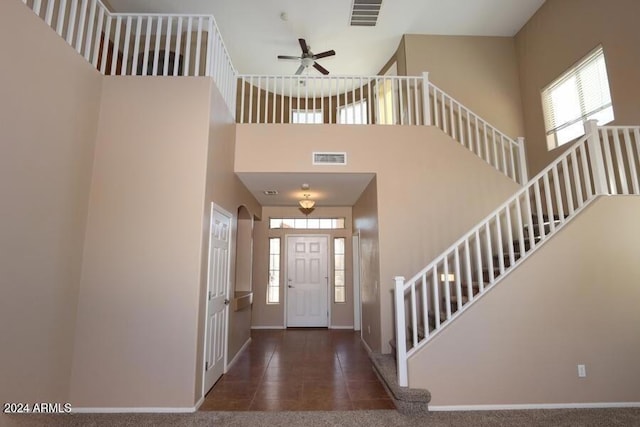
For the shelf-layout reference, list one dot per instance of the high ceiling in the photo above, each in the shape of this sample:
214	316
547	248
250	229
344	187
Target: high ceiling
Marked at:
255	33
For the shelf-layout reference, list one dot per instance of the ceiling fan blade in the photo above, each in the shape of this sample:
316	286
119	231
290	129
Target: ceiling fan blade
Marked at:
320	68
300	70
303	46
288	57
324	54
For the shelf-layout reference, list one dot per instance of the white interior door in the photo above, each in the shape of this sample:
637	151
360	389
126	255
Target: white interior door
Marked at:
307	281
217	299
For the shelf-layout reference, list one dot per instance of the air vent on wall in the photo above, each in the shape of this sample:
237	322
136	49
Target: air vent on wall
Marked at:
323	158
364	13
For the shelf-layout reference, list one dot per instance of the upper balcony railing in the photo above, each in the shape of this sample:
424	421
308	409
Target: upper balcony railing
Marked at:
142	44
377	100
191	45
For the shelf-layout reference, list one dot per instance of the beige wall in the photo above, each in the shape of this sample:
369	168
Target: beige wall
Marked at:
573	302
430	190
365	224
480	72
273	315
138	307
49	104
561	33
226	190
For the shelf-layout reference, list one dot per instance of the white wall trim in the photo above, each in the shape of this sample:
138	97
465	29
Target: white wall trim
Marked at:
268	327
144	410
437	408
199	403
369	348
341	327
235	358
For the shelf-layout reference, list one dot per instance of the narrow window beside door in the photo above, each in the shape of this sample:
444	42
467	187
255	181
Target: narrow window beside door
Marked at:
273	287
338	268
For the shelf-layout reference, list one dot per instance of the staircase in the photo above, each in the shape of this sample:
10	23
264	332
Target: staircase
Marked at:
603	162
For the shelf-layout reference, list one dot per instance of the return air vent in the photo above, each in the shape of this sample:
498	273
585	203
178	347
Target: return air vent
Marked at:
364	13
322	158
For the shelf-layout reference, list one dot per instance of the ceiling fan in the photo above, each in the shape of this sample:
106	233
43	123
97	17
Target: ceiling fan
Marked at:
308	58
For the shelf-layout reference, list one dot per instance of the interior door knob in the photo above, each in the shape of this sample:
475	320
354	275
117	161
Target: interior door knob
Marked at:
226	302
291	286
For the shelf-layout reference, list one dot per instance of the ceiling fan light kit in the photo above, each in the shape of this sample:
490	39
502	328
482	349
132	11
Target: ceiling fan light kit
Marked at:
308	58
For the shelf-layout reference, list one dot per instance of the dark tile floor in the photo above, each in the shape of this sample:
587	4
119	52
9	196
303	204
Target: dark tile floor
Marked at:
300	370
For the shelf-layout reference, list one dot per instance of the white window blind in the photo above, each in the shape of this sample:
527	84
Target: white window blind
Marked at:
580	94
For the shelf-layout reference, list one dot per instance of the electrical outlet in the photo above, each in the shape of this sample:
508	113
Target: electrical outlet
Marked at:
582	371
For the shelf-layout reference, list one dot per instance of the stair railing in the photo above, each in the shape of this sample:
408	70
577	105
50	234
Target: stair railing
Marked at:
381	100
605	161
142	44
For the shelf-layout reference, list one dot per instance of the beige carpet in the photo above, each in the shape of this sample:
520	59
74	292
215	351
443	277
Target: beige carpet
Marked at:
558	417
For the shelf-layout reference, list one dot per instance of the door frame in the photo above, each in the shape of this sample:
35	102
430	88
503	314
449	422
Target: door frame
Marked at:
217	208
286	274
357	274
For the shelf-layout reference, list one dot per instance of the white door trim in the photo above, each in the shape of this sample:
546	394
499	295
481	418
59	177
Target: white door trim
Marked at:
286	273
219	209
357	297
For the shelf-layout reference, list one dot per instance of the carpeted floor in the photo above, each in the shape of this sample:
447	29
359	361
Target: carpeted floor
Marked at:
383	418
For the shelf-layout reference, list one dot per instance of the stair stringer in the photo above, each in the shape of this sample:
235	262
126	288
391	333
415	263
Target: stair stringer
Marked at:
527	357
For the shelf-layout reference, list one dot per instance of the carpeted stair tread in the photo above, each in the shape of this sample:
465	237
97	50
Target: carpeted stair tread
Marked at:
405	397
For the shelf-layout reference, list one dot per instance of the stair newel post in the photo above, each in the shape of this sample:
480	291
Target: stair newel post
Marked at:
401	339
595	155
426	103
522	161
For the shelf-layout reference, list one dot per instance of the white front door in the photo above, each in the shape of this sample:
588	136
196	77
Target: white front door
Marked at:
217	289
307	281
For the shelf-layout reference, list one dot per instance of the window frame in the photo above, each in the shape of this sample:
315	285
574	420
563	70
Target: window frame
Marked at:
361	105
575	83
315	112
336	223
336	270
271	267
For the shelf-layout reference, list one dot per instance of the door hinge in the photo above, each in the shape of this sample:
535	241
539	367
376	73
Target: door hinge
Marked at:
206	366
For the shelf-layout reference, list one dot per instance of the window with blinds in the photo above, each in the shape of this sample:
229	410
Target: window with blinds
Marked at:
580	94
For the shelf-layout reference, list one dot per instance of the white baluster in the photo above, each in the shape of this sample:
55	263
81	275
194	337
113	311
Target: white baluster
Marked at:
425	306
127	42
631	161
116	45
156	48
176	64
72	21
62	10
81	23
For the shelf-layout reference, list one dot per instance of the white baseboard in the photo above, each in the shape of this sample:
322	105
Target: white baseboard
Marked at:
517	407
230	364
199	403
341	327
184	410
268	327
367	347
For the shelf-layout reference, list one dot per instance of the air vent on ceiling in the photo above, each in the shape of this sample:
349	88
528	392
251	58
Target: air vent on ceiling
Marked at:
270	192
364	13
324	158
